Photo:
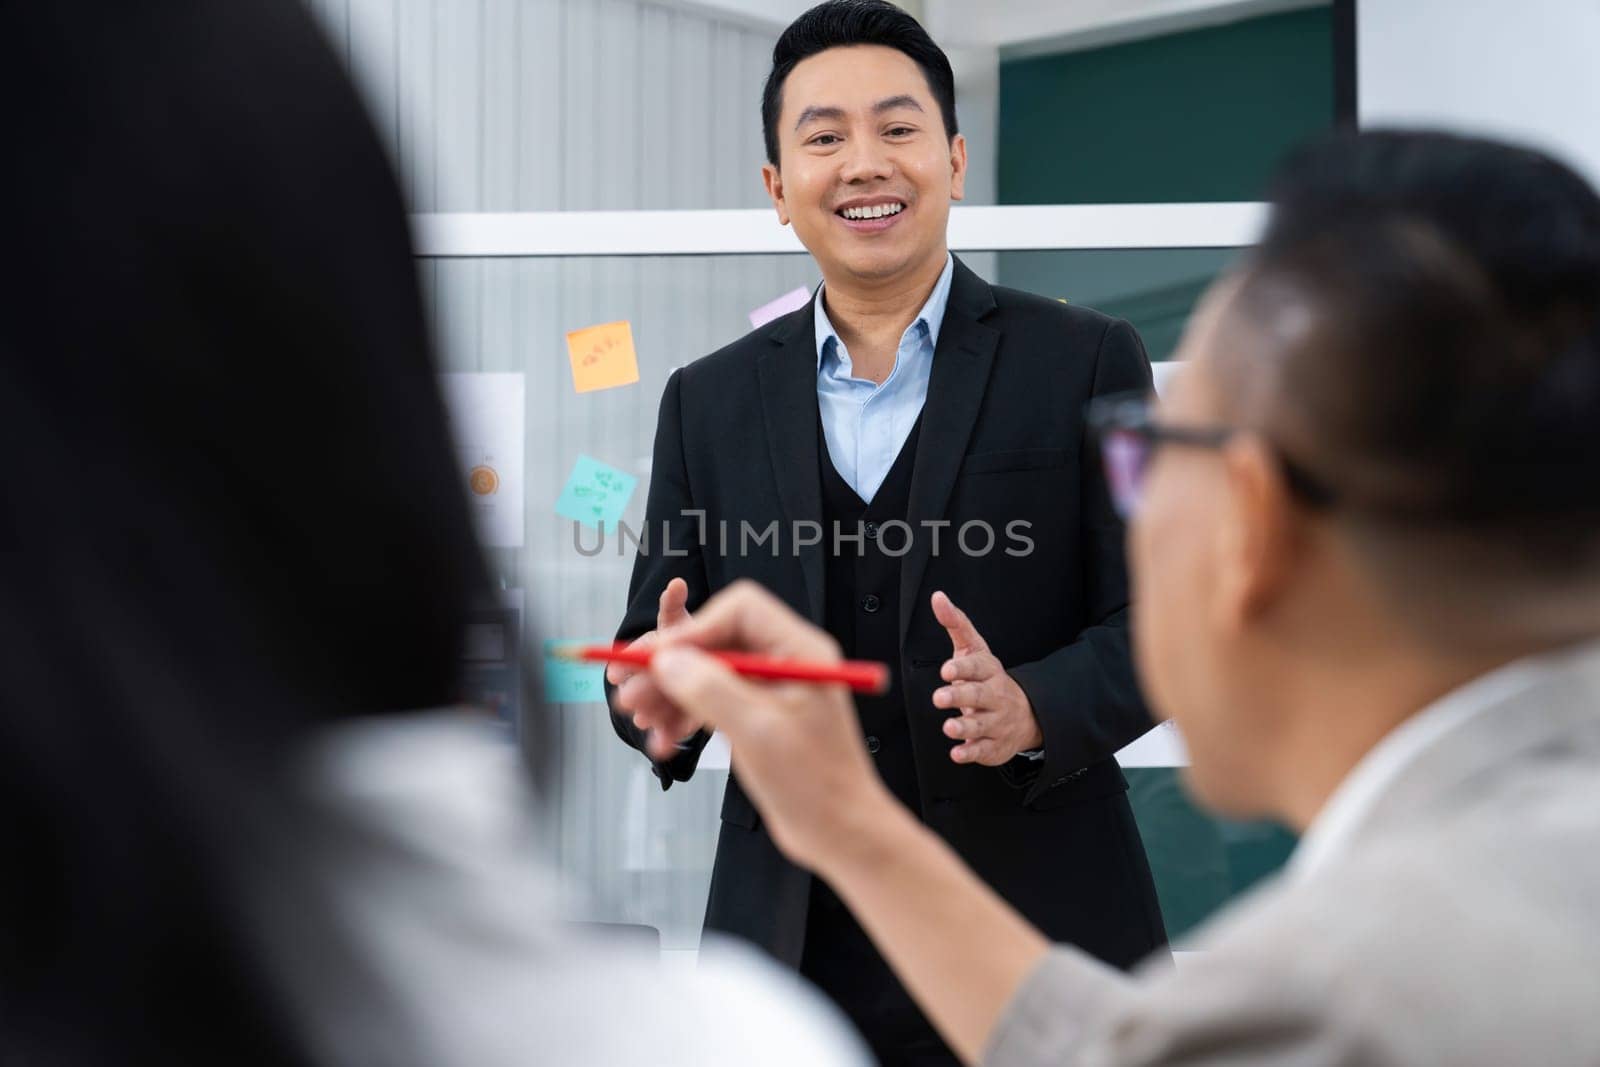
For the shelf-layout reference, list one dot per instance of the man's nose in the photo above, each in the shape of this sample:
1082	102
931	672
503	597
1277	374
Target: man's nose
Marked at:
865	160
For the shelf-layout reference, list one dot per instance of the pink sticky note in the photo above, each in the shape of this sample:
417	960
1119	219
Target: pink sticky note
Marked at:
792	301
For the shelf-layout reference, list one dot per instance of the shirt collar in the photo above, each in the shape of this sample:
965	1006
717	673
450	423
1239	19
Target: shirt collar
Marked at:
1386	762
931	317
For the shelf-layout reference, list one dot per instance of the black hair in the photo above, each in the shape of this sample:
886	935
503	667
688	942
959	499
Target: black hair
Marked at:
1452	376
840	23
231	512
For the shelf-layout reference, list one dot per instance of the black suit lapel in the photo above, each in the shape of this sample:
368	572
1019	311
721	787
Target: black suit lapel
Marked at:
788	375
961	365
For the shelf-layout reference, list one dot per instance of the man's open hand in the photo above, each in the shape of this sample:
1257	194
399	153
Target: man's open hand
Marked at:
638	696
996	720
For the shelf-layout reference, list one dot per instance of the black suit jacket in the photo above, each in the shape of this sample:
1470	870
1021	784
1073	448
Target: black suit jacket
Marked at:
1002	441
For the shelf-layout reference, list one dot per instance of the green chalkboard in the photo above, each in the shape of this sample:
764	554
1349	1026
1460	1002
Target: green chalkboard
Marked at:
1199	862
1202	115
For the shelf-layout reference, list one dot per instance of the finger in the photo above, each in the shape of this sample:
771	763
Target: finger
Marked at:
978	667
661	745
638	691
985	751
617	673
964	695
969	727
745	616
673	607
662	717
706	689
963	635
624	696
640	694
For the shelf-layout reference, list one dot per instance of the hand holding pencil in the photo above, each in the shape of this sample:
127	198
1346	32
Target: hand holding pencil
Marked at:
797	746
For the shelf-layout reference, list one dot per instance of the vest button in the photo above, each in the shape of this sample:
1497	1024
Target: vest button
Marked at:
873	744
871	530
870	604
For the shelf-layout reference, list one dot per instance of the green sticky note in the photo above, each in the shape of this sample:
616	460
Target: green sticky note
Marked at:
595	494
569	681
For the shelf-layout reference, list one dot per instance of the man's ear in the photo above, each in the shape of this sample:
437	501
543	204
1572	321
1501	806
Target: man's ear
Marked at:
1261	535
958	167
774	183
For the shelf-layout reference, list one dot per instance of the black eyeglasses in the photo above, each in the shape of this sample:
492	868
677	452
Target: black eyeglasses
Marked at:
1129	435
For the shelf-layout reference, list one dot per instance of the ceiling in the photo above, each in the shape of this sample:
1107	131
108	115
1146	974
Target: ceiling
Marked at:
1026	27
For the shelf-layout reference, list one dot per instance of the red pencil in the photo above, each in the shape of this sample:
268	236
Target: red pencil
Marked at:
860	675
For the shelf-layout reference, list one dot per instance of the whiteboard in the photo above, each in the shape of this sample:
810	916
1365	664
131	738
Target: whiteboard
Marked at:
1525	71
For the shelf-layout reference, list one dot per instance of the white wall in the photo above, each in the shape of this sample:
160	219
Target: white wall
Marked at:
1527	71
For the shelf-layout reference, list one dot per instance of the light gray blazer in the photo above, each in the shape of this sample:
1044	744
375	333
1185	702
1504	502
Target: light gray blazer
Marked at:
1460	926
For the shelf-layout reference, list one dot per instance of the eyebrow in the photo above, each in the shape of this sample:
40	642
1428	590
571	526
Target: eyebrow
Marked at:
815	112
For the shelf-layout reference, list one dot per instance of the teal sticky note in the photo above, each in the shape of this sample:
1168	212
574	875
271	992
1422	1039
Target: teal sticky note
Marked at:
570	682
595	494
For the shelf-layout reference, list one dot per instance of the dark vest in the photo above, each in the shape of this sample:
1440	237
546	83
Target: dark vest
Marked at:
862	611
861	608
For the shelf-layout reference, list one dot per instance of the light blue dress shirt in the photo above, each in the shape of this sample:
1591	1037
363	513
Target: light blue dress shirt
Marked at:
866	424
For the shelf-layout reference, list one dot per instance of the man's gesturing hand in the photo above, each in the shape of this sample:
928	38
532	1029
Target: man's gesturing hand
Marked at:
996	720
797	748
637	695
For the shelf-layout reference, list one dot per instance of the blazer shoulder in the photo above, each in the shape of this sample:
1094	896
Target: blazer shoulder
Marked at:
1030	308
1104	353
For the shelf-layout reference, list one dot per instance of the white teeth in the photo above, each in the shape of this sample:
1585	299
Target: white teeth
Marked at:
877	211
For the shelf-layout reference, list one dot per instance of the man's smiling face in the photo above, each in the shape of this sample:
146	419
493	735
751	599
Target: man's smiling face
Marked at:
866	168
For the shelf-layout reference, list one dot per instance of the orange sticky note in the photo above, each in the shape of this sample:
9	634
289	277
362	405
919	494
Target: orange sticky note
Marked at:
602	356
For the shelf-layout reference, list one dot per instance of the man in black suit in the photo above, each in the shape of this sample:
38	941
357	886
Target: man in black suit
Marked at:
911	441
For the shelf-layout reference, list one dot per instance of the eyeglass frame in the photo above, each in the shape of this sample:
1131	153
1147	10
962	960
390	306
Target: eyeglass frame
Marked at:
1130	413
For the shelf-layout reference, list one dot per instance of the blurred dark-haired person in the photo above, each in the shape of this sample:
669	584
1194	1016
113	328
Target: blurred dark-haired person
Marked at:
913	440
235	566
1366	559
